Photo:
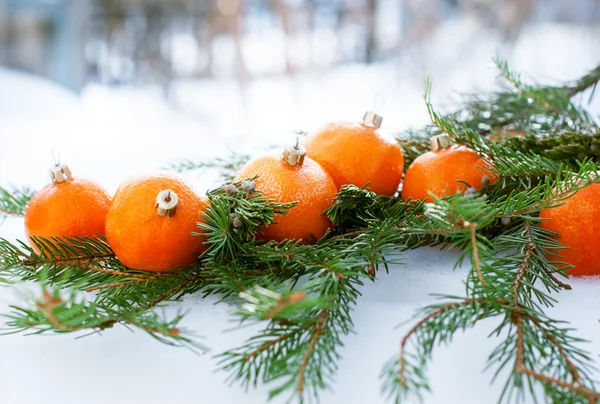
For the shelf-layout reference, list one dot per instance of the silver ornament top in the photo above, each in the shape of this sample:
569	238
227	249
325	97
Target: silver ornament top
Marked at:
60	173
294	155
439	142
372	119
166	203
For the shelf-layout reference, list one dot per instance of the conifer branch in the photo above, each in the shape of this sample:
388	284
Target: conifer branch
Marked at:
590	80
14	203
317	331
52	313
227	167
529	92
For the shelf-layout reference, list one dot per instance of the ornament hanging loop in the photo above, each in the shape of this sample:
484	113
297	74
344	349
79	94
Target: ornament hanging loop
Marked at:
166	203
378	102
439	142
56	156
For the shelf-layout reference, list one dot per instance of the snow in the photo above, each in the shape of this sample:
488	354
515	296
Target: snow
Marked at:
110	134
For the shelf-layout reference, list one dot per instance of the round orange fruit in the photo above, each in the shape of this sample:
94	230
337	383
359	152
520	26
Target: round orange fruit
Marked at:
358	154
147	232
306	183
446	172
69	208
578	229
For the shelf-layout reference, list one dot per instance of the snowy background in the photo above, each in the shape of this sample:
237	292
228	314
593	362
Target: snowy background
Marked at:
111	133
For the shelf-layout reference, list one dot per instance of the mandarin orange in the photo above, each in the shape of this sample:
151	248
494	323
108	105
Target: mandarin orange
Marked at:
303	181
446	172
358	154
147	232
68	207
578	229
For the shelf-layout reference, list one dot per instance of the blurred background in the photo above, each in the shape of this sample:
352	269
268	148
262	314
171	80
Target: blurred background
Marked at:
132	42
192	78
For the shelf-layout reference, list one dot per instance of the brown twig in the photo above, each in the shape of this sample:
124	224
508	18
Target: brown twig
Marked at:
351	234
239	284
12	212
30	263
57	260
267	345
544	104
540	174
518	318
557	197
129	274
473	227
284	302
550	275
530	246
529	249
49	303
561	351
118	284
169	332
47	307
372	259
311	347
423	321
576	387
338	275
168	293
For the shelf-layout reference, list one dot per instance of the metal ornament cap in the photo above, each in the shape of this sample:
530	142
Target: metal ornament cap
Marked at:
294	155
372	119
60	173
439	142
166	203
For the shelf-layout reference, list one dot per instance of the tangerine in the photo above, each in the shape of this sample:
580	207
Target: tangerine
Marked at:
446	171
358	154
71	207
577	228
303	181
147	232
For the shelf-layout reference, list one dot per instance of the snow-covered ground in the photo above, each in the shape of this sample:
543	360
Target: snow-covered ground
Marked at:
108	135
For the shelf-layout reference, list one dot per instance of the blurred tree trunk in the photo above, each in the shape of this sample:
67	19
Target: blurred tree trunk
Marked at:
371	35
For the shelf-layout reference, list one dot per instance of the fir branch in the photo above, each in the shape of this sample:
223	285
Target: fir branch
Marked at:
77	262
552	124
237	212
589	80
52	313
14	202
88	264
537	95
227	167
413	144
316	334
506	269
301	341
517	260
567	147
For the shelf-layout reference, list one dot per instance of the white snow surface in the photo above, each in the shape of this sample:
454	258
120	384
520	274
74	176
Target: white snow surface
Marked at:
109	135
